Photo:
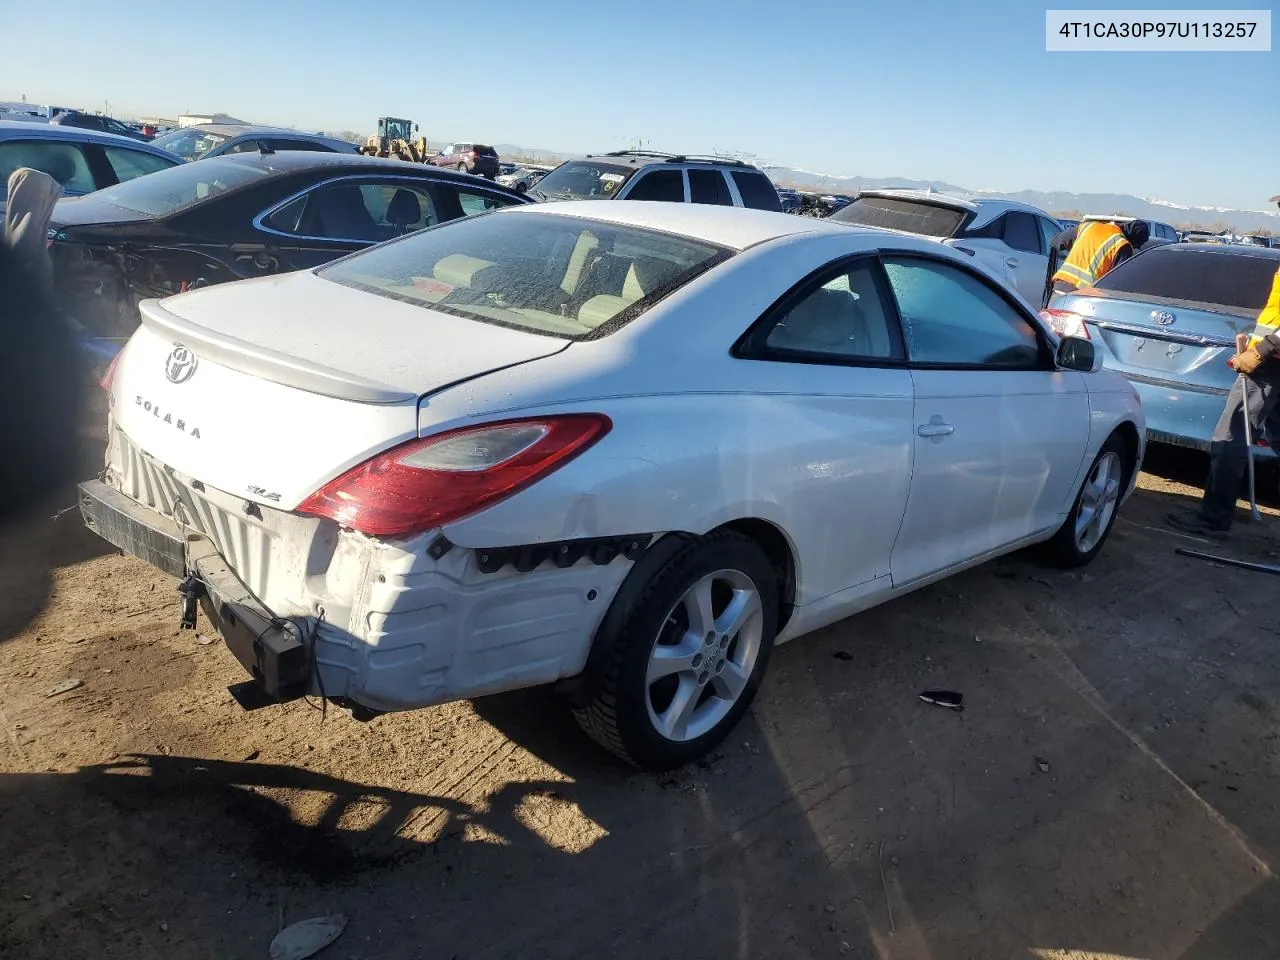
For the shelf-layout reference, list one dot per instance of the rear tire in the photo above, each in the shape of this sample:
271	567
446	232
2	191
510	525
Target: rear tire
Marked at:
1092	516
684	663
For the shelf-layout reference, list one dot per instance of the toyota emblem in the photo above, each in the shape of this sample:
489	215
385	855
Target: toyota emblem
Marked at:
180	365
1163	317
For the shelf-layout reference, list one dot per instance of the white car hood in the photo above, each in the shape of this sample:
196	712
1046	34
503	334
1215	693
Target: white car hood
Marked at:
323	337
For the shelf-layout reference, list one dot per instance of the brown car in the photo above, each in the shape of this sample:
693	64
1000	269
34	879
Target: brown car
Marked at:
477	158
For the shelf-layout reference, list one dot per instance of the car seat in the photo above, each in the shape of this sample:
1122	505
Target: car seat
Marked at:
404	211
339	213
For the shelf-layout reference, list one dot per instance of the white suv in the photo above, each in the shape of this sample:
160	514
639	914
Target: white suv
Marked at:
648	175
1010	239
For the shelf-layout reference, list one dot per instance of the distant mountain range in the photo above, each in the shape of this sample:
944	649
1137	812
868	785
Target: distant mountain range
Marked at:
1057	201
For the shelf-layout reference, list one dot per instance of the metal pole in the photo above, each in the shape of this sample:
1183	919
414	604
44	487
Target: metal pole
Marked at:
1242	343
1228	561
1248	446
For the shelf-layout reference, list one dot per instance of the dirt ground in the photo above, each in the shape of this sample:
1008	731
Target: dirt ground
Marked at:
1111	789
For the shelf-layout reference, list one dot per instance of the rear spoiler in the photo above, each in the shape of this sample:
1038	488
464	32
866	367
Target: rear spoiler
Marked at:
267	364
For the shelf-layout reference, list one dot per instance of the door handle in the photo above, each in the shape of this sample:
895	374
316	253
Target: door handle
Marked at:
935	429
1010	261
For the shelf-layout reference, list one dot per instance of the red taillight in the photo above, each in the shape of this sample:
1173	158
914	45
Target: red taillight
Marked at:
432	481
109	377
1067	323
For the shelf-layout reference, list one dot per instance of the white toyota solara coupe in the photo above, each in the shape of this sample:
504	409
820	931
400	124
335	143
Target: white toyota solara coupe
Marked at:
627	447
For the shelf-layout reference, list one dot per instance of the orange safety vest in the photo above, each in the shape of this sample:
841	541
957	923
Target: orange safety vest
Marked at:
1269	318
1092	255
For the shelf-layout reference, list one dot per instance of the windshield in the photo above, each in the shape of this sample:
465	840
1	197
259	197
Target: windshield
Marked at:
539	272
584	180
190	144
1233	282
895	213
169	191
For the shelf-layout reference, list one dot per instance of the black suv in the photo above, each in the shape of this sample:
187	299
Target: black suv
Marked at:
647	175
93	121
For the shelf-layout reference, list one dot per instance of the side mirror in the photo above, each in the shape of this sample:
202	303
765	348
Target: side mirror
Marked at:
1077	353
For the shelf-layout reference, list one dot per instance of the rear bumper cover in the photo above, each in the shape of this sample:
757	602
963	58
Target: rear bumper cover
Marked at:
1182	416
270	648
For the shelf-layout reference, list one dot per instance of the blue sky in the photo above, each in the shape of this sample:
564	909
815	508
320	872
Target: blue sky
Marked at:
953	91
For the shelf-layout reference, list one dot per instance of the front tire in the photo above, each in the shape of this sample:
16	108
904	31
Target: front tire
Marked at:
684	664
1082	534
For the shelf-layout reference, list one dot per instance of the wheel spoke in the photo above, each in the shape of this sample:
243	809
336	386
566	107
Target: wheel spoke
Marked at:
675	719
667	659
741	608
730	683
697	604
1084	519
1112	491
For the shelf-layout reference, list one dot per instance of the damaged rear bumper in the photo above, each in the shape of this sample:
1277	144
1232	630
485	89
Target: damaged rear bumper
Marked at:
271	648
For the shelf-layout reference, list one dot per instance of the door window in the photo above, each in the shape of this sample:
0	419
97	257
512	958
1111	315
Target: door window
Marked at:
1021	232
279	144
708	186
841	318
360	212
952	318
659	185
65	162
243	146
127	164
1048	230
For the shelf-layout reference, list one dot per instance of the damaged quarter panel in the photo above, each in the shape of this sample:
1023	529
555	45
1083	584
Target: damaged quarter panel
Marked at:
701	438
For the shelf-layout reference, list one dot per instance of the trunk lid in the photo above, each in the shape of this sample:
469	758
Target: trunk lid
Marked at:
71	212
1162	341
267	389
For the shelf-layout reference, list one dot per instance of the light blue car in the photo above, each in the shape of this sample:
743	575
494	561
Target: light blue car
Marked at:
1167	319
80	160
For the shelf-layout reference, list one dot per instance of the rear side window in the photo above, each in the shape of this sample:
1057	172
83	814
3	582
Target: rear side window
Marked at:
708	186
473	201
659	185
65	162
1237	283
758	191
127	164
895	213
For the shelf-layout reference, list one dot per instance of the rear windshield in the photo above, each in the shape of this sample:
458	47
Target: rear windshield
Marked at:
190	144
894	213
169	191
584	180
484	151
1236	282
538	272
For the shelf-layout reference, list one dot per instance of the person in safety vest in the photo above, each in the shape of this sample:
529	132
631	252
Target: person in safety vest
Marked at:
1096	248
1229	458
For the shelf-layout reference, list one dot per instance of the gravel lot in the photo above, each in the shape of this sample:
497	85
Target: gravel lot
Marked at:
1110	790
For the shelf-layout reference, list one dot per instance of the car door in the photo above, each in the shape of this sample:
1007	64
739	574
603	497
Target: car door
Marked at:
986	245
1000	431
345	214
830	360
1026	255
